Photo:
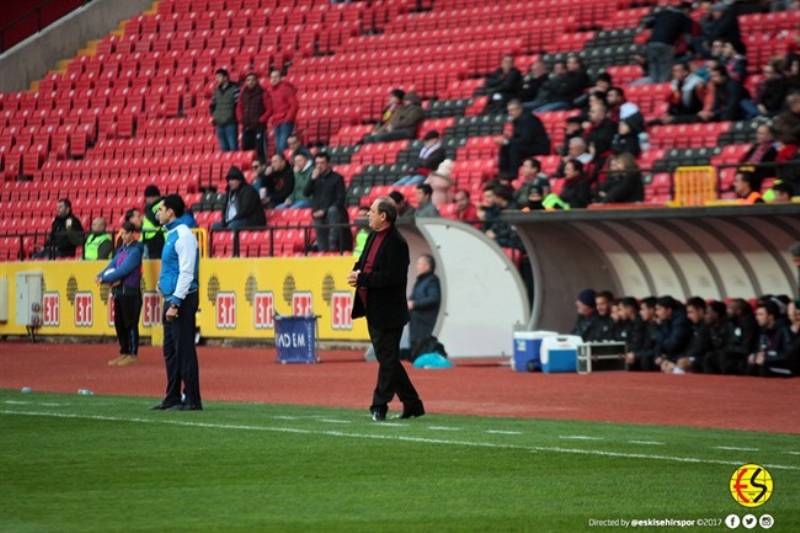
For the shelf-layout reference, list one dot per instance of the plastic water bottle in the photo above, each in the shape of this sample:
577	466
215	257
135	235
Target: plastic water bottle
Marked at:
26	390
85	392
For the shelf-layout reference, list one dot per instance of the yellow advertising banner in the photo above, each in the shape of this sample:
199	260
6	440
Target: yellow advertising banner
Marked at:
239	298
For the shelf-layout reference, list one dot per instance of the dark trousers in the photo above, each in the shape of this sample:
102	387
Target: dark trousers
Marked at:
255	139
511	157
392	376
126	321
180	355
329	238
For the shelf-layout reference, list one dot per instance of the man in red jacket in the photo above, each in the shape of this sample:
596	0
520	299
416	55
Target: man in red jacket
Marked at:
253	111
284	109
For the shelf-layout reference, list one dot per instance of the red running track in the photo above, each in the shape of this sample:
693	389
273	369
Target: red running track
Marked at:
343	379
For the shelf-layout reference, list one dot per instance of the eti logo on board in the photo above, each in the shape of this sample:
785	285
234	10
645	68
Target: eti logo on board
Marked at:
226	310
51	309
341	307
302	304
264	310
151	309
84	309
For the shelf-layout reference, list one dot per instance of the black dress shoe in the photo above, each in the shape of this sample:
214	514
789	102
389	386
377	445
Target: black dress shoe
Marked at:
189	407
378	415
413	411
165	406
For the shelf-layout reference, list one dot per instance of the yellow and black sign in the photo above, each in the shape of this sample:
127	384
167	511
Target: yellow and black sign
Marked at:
751	485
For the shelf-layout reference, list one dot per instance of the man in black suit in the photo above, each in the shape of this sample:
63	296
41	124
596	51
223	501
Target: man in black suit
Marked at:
380	277
524	136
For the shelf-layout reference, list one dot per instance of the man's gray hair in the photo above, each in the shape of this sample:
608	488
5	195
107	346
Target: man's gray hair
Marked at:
389	208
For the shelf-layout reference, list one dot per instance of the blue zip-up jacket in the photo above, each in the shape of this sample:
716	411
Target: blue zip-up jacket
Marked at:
179	262
127	265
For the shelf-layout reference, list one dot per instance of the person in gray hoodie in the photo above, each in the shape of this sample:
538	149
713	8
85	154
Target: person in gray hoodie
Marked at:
223	111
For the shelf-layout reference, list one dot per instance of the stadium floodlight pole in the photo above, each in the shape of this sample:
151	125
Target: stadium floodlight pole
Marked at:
795	251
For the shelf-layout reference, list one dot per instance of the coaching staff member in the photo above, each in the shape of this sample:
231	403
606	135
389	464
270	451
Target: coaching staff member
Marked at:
380	277
178	285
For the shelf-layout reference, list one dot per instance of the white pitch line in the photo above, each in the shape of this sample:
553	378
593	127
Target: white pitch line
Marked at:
443	428
392	425
17	402
503	432
647	442
793	453
579	437
285	417
736	449
400	438
334	421
45	404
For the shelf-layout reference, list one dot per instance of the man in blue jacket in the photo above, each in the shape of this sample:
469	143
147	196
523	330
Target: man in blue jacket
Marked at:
124	274
178	284
424	301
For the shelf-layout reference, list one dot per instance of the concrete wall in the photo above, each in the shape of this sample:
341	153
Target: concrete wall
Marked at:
32	58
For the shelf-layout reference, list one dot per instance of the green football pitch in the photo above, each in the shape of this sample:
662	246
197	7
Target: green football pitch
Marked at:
107	463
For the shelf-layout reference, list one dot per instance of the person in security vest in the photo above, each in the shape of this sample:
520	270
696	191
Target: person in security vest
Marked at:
99	244
152	233
124	275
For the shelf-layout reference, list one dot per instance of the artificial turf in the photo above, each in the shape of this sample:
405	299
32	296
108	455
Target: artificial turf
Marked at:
103	463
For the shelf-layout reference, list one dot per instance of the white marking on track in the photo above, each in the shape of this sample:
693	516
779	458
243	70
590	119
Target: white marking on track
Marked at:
158	419
579	437
502	432
736	448
443	428
647	442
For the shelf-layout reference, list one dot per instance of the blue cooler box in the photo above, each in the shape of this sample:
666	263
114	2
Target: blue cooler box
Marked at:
526	348
560	353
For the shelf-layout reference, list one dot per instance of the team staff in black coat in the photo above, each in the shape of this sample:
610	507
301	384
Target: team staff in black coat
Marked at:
242	207
525	137
379	277
423	304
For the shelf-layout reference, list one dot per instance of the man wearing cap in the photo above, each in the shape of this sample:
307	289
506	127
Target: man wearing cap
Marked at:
152	235
587	326
379	277
124	275
178	284
242	207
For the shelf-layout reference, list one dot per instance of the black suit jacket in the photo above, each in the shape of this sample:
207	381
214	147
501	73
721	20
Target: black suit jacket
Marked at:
387	306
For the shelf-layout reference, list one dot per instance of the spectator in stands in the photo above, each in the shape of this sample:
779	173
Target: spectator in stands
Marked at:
600	132
686	97
723	24
430	157
774	339
279	182
425	207
396	97
578	79
763	151
66	233
619	109
99	244
423	304
573	129
284	108
782	193
327	192
626	140
643	346
747	188
562	88
405	211
302	170
253	111
532	83
242	207
674	331
496	200
260	180
623	183
723	98
668	25
295	146
602	84
735	63
465	209
524	137
532	176
587	326
770	93
404	123
223	111
576	192
692	358
152	234
441	182
502	85
604	302
787	124
124	275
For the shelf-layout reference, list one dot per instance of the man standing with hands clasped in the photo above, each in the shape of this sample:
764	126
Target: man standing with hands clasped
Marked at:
178	285
380	277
